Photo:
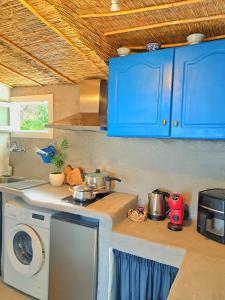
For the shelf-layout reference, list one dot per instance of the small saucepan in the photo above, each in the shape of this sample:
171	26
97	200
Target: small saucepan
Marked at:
83	193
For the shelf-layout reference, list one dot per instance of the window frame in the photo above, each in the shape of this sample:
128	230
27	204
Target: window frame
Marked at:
32	99
6	128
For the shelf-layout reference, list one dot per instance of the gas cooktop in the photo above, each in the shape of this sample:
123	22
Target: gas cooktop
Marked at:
71	200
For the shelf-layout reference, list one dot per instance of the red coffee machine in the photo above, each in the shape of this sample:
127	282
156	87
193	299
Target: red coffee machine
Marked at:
176	205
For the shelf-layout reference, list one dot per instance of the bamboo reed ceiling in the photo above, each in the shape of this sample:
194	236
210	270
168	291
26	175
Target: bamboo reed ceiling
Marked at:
46	42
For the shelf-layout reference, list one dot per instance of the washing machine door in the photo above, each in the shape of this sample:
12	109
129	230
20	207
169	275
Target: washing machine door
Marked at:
25	250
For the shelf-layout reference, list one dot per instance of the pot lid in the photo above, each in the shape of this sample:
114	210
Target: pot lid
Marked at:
82	188
97	173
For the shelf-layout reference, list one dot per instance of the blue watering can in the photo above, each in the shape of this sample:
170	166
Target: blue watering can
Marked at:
47	154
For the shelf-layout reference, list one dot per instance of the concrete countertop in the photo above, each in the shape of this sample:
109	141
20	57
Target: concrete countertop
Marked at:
202	262
110	210
202	272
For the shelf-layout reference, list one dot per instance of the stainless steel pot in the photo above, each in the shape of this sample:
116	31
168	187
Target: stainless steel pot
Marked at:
100	180
83	193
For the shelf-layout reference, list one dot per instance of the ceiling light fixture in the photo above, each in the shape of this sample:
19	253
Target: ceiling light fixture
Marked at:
115	5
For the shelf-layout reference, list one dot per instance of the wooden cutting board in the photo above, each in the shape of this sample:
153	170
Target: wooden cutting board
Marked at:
74	177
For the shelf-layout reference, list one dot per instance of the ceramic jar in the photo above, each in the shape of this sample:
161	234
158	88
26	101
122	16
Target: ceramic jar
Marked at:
56	179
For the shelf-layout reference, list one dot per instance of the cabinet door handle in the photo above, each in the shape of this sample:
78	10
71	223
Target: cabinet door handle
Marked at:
175	123
163	122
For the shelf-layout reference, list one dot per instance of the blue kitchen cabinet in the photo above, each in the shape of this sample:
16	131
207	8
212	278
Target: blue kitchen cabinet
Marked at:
199	91
140	88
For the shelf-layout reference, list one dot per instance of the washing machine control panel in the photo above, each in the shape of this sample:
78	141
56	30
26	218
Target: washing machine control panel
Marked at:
38	217
25	215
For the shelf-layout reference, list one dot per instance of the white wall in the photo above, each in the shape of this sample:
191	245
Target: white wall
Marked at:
4	137
4	152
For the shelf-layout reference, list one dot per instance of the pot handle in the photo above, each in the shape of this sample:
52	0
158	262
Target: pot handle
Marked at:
165	195
96	190
108	178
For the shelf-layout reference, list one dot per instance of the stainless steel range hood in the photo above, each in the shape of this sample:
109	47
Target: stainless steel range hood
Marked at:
92	115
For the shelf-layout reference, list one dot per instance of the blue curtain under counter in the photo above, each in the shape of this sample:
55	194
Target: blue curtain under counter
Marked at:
137	278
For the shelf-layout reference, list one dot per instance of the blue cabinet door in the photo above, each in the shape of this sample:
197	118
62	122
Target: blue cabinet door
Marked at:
139	103
199	91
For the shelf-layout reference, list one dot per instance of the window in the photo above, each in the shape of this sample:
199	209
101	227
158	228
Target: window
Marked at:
30	114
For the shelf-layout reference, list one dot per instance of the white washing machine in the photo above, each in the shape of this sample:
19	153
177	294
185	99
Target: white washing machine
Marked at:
26	248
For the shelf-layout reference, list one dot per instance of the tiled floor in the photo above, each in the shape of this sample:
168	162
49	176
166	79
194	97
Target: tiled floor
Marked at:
8	293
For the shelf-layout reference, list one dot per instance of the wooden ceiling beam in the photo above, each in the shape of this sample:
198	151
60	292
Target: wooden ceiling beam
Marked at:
34	58
139	10
67	39
19	74
165	24
218	37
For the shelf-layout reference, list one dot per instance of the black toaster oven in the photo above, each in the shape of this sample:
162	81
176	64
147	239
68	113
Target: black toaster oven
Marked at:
211	214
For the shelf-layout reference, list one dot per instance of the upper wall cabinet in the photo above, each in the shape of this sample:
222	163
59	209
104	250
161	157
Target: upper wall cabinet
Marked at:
199	91
140	95
140	88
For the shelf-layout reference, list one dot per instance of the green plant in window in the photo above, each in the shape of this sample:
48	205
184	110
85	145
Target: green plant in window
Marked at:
34	117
